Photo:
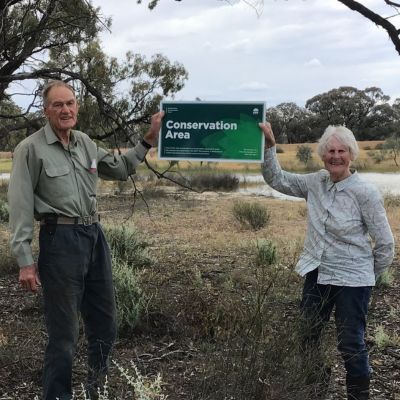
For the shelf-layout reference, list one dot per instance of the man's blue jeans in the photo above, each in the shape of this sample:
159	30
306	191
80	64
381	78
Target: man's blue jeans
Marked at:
75	271
351	308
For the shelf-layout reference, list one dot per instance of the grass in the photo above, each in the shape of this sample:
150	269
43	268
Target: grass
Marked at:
222	320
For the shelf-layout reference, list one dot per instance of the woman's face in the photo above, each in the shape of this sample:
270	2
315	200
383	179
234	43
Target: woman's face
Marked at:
337	159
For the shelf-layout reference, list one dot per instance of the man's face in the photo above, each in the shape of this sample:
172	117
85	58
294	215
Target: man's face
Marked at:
61	109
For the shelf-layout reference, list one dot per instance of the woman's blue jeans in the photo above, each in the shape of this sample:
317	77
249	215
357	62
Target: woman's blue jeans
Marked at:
75	271
351	308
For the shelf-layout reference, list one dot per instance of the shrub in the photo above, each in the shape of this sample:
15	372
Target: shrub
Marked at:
252	215
383	339
266	254
210	181
279	150
126	245
4	213
129	296
385	279
153	192
304	153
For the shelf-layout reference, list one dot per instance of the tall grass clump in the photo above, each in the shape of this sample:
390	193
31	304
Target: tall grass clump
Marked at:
127	245
252	215
385	279
214	181
129	296
383	339
129	253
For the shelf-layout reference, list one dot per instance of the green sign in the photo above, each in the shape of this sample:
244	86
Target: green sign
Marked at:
212	131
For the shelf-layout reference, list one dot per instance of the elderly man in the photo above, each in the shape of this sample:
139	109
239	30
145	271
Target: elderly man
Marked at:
53	180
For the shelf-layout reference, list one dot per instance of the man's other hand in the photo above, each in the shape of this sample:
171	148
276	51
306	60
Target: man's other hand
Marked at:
29	278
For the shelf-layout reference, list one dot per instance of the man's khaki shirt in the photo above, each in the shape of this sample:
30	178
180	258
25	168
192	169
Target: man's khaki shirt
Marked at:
50	178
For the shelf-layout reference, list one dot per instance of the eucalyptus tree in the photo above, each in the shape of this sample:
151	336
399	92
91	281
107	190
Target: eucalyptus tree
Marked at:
57	39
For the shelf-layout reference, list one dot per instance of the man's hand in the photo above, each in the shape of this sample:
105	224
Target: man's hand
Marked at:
269	135
29	277
151	137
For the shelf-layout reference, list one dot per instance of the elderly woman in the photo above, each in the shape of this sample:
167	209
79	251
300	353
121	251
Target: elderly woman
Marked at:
339	261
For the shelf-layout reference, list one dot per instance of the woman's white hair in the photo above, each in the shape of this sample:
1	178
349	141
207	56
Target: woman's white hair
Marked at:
343	135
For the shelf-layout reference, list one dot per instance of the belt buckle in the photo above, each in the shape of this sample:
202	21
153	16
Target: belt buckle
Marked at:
87	220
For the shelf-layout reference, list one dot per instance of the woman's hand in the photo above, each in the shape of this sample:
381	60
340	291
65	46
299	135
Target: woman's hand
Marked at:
268	134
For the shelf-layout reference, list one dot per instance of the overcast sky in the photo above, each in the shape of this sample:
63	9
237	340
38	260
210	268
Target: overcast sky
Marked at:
294	50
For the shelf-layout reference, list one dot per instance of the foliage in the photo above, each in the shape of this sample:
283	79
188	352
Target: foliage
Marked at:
291	123
304	154
126	245
116	99
392	145
385	279
145	389
383	339
4	212
366	112
213	181
252	215
129	296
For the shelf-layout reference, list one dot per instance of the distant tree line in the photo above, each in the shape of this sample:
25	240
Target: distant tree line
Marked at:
368	113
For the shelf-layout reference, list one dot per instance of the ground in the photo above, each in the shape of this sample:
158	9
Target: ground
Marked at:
201	255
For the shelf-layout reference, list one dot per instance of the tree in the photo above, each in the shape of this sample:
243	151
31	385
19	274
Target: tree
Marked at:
392	146
304	154
290	122
55	39
354	108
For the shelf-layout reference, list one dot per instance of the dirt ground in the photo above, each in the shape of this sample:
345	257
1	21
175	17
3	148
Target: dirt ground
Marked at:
199	252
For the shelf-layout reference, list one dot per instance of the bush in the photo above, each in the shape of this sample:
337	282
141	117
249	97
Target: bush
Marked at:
385	279
252	215
129	296
304	153
153	192
279	150
4	213
266	254
210	181
127	246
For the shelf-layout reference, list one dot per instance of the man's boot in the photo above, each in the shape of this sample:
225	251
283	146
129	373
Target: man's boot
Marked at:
357	387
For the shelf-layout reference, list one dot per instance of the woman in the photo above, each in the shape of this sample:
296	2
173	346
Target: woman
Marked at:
338	261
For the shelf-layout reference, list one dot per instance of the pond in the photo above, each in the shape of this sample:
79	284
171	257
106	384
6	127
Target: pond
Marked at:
388	183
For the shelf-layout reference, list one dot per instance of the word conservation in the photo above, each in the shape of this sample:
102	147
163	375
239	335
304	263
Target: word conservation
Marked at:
181	130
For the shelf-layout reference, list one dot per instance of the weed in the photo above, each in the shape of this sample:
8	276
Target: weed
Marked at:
385	279
129	296
127	245
252	215
383	339
214	181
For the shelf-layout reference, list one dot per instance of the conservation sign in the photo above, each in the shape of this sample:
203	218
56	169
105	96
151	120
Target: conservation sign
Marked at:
212	131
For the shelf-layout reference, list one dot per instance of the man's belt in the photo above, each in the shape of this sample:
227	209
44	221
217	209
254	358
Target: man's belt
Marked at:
54	219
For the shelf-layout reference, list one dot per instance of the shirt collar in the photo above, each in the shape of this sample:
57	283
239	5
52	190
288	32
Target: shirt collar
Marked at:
51	137
345	183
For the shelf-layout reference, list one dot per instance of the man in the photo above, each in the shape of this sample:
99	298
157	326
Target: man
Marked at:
53	180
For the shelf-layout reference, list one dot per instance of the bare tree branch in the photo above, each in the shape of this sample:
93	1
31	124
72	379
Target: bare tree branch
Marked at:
392	31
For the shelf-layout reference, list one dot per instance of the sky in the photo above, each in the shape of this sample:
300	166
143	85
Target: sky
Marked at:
288	51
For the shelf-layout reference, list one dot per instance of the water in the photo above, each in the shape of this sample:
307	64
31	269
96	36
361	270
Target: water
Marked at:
388	183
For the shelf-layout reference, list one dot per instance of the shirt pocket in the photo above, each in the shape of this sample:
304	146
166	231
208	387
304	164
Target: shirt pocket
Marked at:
56	181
